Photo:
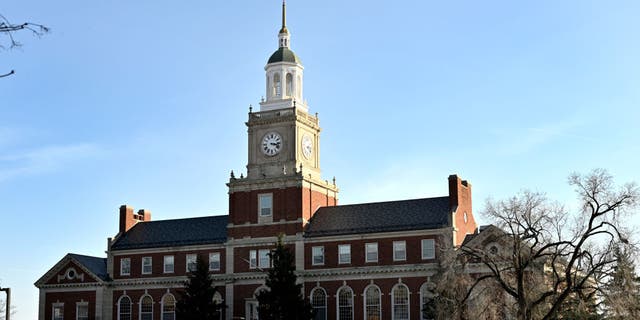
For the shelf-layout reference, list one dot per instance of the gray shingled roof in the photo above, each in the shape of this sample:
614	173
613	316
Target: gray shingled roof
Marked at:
178	232
429	213
96	265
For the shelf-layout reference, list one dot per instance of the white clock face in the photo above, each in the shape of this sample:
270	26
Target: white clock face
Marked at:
307	146
271	144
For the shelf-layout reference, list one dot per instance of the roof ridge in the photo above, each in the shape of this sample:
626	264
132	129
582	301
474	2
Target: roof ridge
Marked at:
84	255
380	202
183	219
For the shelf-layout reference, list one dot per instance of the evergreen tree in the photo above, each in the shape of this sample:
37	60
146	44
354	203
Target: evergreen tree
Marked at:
622	293
284	298
196	301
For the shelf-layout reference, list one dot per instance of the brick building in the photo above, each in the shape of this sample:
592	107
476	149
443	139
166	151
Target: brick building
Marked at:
360	261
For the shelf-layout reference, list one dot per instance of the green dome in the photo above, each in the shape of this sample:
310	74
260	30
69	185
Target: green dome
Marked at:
284	55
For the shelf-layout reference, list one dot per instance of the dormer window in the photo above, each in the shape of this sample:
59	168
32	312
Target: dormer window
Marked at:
265	204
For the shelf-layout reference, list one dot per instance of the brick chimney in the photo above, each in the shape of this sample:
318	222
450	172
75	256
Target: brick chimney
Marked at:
128	218
460	204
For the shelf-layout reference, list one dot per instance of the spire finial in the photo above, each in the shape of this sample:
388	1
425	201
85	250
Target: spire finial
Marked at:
284	18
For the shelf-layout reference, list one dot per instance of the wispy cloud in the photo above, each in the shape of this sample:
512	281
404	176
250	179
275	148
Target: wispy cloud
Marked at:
43	160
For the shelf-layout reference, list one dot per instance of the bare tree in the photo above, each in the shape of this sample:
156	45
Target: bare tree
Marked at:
9	29
546	260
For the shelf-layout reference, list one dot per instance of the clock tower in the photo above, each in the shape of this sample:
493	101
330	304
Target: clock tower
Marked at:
283	186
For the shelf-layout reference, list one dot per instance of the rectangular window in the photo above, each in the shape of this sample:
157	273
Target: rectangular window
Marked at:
265	203
168	264
214	261
317	254
371	252
82	311
264	261
344	253
253	259
399	251
146	265
428	249
125	266
191	262
58	311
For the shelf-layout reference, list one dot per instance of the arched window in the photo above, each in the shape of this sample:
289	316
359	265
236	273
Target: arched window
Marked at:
277	86
124	308
146	308
372	310
217	299
426	300
345	304
400	302
299	87
168	307
319	303
289	92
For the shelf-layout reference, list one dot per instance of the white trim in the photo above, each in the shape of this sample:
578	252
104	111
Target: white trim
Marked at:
338	301
366	252
140	305
162	305
130	306
433	247
326	300
164	264
213	254
313	256
81	304
122	260
364	300
53	309
400	243
270	197
393	306
346	245
191	256
142	265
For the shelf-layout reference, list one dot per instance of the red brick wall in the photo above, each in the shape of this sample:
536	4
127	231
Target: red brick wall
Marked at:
385	252
156	295
289	204
157	265
240	294
69	299
87	277
358	287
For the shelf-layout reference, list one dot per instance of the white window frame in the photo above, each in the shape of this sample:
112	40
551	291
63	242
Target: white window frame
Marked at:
396	250
315	254
191	258
432	247
352	302
130	307
140	306
122	264
53	310
326	299
364	300
166	264
143	264
368	246
82	304
264	253
393	305
340	246
253	259
214	257
162	305
260	207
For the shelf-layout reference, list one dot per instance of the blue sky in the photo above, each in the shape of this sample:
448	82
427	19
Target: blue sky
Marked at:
144	103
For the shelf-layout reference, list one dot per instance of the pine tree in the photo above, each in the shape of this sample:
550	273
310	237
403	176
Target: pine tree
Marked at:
283	299
196	301
622	293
